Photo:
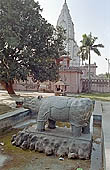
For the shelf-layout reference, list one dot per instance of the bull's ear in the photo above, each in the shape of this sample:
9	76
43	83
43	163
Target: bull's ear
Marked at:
39	97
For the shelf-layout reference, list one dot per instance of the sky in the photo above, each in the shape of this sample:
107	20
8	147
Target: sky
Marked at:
87	16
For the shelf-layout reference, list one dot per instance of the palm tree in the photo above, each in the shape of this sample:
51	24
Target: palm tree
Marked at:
88	45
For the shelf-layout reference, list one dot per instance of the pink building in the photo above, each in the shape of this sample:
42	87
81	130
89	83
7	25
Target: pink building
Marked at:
85	69
70	75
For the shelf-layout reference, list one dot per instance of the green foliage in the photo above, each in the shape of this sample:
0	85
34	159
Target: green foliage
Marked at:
5	108
28	43
104	76
97	96
43	65
87	45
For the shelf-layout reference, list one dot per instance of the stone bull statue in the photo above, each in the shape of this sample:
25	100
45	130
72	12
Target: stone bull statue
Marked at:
76	111
73	110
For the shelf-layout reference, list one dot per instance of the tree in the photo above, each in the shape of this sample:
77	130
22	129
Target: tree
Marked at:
104	76
88	45
28	43
44	66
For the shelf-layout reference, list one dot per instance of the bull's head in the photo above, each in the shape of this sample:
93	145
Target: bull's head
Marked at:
33	103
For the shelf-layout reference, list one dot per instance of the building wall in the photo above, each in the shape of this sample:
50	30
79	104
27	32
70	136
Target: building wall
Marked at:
97	85
72	78
85	69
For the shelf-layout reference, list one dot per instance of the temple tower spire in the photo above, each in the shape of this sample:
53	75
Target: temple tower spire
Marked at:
65	21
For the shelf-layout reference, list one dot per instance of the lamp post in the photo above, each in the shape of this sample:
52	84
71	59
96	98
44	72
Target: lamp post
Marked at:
108	66
108	60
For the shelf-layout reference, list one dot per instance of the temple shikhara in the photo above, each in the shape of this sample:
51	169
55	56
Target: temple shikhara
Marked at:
72	48
73	75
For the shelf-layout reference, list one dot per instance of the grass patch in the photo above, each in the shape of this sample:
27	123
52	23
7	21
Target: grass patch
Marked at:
5	108
9	148
19	156
97	96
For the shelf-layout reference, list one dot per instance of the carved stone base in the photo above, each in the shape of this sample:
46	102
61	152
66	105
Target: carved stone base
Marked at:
59	142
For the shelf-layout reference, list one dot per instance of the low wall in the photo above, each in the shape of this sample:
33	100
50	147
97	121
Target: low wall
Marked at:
8	120
97	120
97	85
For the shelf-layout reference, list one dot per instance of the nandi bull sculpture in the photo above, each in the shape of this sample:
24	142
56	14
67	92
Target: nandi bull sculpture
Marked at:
76	111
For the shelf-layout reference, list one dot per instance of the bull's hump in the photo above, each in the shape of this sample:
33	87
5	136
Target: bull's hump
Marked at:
59	102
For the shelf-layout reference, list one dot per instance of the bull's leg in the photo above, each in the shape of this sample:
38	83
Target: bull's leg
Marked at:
42	118
86	129
51	124
40	126
76	131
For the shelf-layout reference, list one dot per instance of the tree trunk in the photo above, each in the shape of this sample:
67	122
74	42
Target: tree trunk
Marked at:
89	71
9	87
82	62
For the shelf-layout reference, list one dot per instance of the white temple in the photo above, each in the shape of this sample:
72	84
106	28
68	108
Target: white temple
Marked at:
65	21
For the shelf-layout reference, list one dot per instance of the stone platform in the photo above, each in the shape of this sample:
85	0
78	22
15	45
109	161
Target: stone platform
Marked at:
58	141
